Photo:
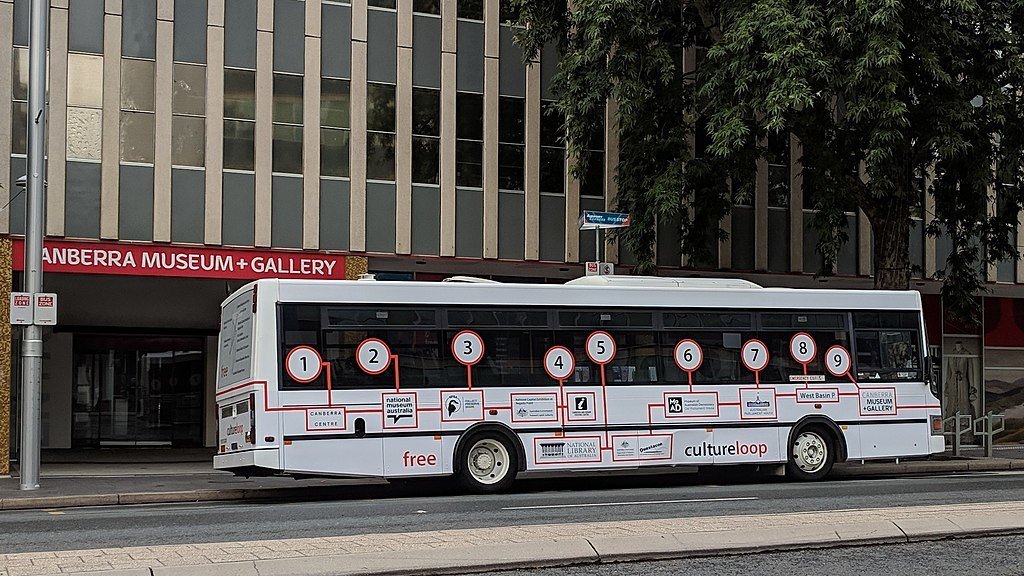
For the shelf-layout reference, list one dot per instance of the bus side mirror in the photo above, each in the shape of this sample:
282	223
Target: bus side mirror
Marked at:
935	375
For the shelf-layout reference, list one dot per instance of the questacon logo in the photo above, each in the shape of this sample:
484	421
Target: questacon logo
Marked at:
736	449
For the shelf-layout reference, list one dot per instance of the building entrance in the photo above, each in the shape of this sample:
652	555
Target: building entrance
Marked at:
135	390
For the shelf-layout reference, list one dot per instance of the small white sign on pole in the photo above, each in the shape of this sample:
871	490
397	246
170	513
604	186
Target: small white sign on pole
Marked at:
21	308
600	269
46	309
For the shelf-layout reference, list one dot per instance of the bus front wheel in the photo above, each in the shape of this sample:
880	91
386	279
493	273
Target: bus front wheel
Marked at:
487	464
812	455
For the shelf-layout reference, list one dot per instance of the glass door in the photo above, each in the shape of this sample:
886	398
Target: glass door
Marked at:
137	390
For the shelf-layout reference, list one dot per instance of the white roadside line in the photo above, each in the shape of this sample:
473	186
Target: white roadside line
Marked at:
635	503
977	473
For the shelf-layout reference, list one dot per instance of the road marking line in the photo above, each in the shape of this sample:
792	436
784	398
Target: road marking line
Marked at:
637	503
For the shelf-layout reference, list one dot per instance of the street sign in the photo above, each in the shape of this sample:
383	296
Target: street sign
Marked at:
21	308
593	220
600	269
45	309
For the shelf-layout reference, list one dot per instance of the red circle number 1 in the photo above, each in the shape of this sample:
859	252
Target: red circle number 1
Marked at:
303	364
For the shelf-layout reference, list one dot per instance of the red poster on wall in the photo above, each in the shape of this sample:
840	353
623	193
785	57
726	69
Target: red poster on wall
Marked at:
181	261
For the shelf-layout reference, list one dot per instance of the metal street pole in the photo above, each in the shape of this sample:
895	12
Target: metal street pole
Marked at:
32	345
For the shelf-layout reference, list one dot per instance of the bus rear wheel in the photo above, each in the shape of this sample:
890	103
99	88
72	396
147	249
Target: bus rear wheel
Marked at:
812	455
487	464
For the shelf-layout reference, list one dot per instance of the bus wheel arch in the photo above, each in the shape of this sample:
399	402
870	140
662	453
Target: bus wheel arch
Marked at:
494	445
820	433
497	428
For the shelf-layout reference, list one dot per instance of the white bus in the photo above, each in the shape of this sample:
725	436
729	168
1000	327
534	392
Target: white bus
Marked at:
486	381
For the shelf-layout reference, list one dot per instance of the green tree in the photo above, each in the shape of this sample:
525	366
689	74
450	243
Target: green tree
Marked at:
880	92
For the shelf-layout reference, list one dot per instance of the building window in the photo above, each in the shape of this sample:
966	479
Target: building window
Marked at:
138	29
188	124
509	14
470	9
287	121
137	137
239	119
427	6
469	143
380	136
511	142
778	161
190	31
1006	207
137	143
426	136
778	170
85	107
334	127
381	4
552	149
592	183
19	107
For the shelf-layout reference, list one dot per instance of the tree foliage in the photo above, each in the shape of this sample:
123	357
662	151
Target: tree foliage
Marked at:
884	96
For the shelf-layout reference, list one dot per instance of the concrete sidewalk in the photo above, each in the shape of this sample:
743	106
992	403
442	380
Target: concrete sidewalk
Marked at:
73	485
461	551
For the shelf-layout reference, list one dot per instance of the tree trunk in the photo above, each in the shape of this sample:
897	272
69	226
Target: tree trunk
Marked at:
890	226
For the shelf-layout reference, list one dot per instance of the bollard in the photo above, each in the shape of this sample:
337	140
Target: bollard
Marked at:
988	435
956	437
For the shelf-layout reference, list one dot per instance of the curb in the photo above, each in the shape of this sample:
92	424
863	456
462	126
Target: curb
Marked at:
604	549
848	470
171	497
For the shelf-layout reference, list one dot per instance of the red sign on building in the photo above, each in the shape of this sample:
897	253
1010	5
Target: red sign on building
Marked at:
182	261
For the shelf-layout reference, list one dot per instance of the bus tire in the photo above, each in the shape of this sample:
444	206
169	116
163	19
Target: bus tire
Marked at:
812	453
487	463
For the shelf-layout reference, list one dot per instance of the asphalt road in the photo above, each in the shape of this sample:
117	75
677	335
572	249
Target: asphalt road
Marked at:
385	509
998	556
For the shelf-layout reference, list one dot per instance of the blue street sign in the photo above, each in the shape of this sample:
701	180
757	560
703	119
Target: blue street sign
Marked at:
593	220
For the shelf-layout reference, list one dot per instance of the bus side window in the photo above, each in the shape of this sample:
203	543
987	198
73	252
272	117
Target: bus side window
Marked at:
637	358
782	365
888	354
888	345
300	326
721	363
